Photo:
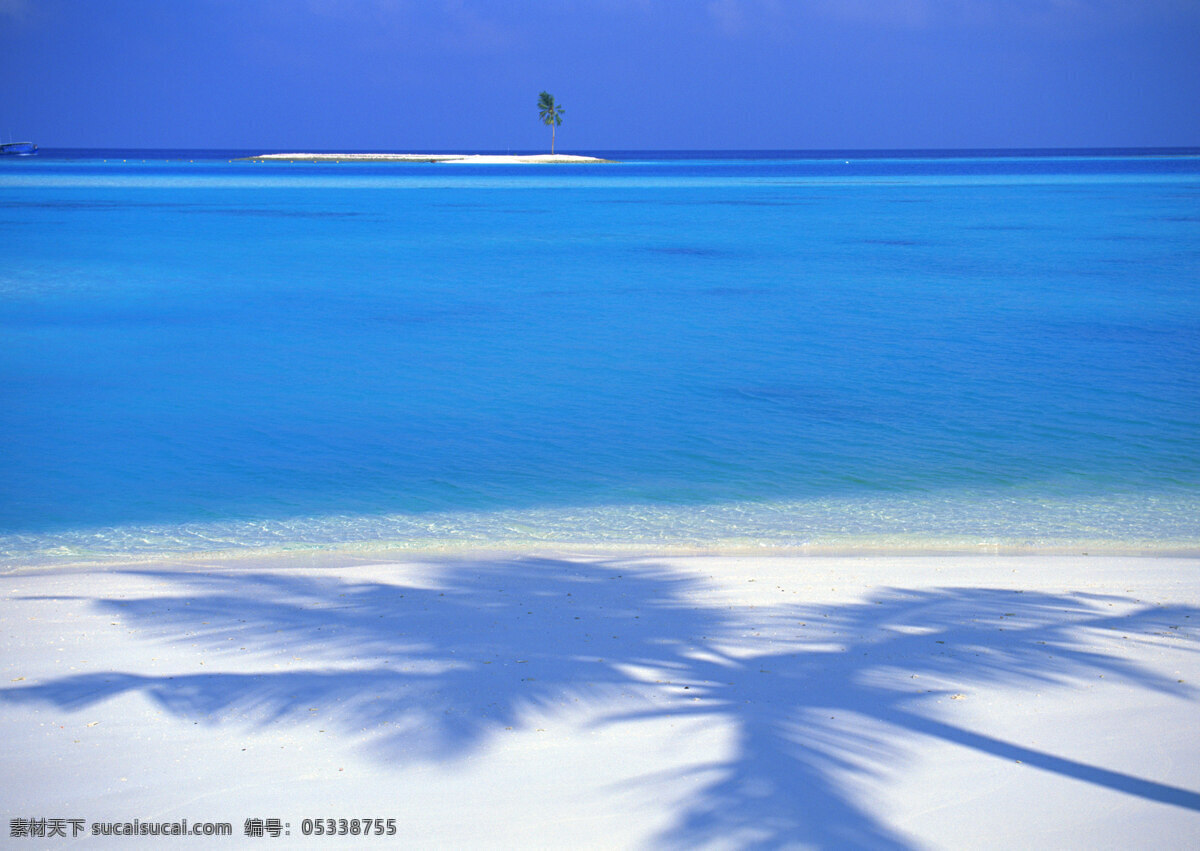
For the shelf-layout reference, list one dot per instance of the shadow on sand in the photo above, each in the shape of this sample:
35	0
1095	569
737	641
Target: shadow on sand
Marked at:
816	695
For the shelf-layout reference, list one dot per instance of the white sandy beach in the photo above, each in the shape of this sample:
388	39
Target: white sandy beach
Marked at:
499	701
462	159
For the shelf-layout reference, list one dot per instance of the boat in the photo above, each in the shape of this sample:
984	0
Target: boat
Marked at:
18	149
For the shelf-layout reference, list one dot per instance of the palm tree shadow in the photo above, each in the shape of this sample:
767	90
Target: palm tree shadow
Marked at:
816	696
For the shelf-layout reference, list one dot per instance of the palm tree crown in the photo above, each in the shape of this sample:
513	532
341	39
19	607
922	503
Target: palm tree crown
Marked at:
550	113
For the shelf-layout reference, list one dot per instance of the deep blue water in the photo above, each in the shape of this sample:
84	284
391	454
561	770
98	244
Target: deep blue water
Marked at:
680	349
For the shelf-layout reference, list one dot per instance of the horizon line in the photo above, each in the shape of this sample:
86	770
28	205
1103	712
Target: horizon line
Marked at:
521	151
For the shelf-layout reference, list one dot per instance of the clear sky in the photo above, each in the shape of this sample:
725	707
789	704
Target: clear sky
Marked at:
632	74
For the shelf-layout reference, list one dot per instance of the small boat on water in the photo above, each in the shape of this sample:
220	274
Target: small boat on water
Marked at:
18	149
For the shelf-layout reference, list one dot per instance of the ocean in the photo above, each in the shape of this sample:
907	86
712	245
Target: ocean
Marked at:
691	351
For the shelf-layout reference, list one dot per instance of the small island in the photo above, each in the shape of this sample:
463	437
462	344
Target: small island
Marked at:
465	159
549	111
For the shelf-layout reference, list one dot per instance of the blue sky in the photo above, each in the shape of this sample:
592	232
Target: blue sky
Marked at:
632	74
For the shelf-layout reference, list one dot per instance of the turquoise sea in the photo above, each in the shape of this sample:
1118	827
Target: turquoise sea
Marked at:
784	350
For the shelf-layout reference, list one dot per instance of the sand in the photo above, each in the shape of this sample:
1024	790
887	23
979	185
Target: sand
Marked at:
501	701
461	159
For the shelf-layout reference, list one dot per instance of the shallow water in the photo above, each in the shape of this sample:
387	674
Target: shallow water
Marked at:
675	350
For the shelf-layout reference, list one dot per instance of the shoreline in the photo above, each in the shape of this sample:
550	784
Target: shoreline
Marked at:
458	159
211	549
1135	526
82	559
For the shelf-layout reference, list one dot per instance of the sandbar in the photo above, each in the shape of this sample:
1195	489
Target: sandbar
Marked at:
460	159
500	700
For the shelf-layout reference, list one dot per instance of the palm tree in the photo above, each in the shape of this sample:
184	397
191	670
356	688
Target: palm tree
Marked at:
550	113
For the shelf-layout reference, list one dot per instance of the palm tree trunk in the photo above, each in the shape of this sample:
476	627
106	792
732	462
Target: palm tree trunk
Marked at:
551	138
